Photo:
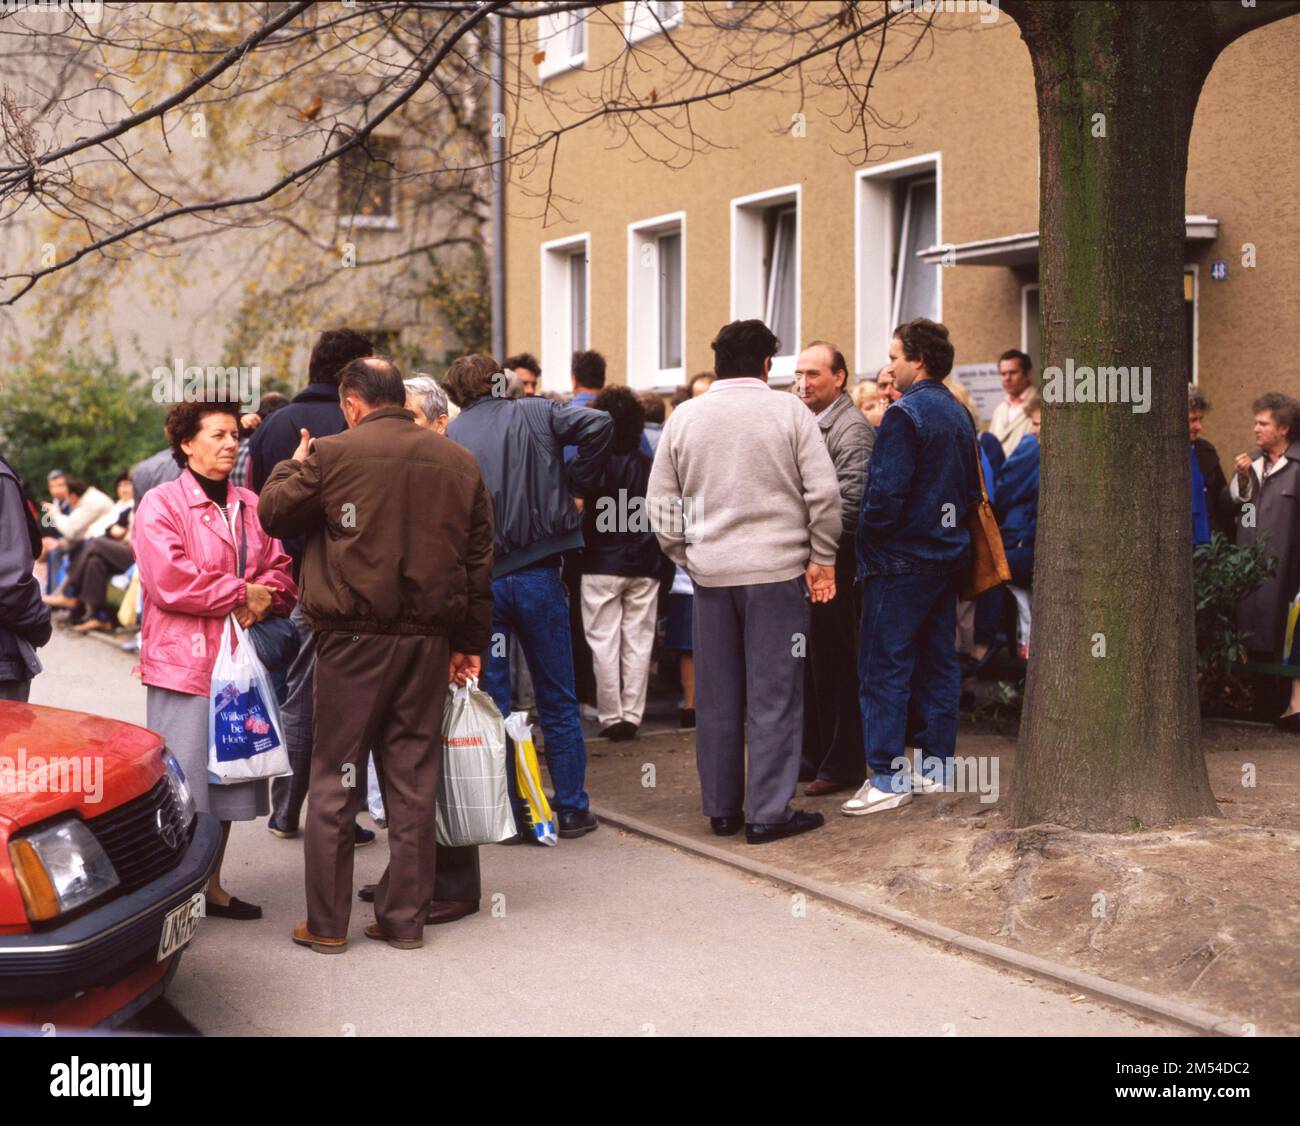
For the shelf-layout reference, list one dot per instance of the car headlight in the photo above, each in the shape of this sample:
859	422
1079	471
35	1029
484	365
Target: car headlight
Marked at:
180	788
59	868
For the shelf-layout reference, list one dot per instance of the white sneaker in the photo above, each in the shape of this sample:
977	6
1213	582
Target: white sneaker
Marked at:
868	799
922	780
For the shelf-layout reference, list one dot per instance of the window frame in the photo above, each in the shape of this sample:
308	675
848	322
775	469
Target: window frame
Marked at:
643	311
910	184
549	67
557	345
873	258
357	220
638	30
747	226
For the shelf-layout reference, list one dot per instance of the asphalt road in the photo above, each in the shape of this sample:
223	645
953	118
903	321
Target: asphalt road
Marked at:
608	935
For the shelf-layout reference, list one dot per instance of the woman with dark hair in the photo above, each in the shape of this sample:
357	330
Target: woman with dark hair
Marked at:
202	554
620	570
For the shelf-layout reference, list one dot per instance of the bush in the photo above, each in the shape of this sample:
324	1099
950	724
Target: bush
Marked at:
82	415
1224	575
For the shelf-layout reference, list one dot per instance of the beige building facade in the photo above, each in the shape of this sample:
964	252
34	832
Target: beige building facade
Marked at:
644	257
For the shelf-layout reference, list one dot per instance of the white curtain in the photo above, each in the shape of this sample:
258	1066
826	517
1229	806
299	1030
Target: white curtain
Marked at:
917	286
670	300
779	312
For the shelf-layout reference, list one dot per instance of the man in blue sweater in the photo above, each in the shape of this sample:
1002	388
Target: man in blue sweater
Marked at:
912	544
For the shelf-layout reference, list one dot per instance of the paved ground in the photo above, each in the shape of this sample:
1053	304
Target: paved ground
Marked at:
611	934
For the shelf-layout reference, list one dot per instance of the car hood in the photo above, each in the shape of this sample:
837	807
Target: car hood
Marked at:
53	760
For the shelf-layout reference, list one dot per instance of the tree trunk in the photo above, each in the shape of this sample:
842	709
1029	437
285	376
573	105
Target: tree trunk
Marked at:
1110	735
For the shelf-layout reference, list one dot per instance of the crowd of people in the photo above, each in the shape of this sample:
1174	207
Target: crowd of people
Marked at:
798	556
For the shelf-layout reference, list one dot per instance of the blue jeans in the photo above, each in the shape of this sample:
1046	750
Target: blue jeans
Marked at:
907	650
532	605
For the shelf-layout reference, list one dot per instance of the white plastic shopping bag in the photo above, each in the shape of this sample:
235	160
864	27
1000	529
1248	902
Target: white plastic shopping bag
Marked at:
473	799
245	736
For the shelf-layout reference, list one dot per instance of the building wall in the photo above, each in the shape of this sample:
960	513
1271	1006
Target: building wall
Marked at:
968	96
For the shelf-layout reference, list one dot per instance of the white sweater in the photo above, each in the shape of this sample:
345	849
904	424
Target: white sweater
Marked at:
758	487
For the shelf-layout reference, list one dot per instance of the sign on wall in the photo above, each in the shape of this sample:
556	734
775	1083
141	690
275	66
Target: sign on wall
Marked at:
984	385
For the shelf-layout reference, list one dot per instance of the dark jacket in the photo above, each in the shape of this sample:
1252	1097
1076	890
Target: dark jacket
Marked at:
616	522
519	445
921	482
1016	507
398	528
1222	511
24	617
315	408
1261	615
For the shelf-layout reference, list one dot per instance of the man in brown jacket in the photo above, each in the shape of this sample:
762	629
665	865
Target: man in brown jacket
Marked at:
397	586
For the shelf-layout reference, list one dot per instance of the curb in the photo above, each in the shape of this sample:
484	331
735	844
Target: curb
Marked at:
1149	1005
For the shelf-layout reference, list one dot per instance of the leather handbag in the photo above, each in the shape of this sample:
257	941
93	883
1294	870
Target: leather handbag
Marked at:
988	560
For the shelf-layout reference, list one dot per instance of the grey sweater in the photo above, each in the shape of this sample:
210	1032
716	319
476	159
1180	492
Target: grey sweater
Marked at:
758	487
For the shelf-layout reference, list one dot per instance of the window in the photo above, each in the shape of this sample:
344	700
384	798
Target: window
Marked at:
1031	342
562	41
670	300
765	268
1191	311
916	284
899	213
645	18
780	233
367	186
656	297
566	306
384	341
578	320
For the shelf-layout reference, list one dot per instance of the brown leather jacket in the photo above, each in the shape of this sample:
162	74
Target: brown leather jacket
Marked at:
398	526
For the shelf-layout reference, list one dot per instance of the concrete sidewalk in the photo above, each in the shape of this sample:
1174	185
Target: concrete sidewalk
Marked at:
1166	923
607	935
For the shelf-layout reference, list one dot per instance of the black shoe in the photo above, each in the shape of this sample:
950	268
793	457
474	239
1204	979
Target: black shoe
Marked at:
281	829
801	822
727	826
362	837
626	731
1289	723
611	732
686	718
577	822
235	909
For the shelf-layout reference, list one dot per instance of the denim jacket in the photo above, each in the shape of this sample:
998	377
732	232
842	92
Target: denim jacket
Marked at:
921	482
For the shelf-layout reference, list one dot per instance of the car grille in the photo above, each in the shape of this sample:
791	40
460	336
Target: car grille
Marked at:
134	841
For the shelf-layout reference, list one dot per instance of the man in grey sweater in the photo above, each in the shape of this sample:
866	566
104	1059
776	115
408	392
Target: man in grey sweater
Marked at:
747	469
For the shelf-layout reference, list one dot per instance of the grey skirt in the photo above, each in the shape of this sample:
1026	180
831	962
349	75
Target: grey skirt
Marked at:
182	720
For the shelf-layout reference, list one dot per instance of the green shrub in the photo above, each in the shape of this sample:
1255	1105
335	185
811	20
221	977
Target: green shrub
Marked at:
79	414
1224	575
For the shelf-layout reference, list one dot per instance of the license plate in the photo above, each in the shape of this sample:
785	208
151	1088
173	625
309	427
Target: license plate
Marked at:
179	926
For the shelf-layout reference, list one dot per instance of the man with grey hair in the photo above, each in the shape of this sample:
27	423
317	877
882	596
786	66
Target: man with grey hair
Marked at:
428	402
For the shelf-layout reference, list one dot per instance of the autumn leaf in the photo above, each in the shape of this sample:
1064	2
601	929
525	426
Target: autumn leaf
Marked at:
539	57
312	111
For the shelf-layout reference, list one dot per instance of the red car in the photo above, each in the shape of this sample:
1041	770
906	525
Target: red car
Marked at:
103	862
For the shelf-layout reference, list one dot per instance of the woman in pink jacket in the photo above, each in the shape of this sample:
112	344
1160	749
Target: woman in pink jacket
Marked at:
188	560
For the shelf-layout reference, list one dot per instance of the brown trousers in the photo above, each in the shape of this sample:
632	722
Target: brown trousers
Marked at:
384	692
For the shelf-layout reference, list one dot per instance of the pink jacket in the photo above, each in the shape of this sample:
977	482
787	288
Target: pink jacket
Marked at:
189	574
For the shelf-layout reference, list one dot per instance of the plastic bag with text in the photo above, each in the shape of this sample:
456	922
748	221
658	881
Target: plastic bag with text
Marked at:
244	730
473	798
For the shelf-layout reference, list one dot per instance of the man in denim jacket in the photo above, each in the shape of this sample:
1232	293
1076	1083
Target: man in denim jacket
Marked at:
912	544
